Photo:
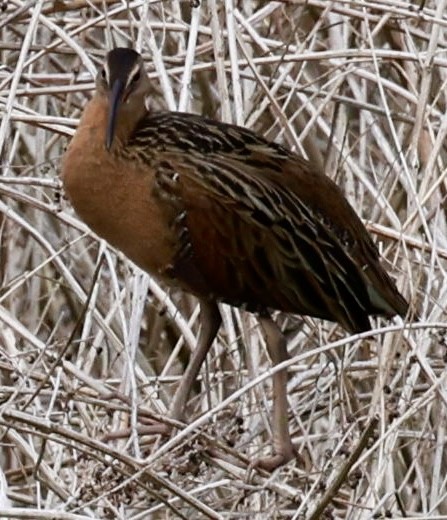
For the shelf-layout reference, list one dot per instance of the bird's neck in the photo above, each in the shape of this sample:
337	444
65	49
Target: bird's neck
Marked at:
96	114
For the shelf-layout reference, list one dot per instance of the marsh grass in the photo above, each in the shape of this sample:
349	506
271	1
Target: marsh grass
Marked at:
91	348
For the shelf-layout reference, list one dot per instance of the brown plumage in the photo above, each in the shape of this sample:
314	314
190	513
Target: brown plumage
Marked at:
224	214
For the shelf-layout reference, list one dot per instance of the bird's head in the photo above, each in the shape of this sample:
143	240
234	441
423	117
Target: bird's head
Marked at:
124	82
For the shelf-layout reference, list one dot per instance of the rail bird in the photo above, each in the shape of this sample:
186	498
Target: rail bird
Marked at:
226	215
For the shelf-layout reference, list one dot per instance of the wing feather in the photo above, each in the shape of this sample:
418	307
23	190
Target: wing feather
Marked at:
265	228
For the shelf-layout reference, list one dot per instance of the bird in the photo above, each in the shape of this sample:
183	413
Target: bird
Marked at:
226	215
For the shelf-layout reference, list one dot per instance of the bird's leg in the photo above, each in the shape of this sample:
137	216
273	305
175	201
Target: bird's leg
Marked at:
210	319
282	443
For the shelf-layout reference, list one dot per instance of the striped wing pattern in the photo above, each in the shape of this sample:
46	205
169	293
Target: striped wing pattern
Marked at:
259	227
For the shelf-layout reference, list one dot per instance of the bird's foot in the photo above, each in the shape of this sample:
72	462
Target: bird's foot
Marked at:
283	455
156	428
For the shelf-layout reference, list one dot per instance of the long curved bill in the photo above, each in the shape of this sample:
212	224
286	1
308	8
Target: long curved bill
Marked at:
115	98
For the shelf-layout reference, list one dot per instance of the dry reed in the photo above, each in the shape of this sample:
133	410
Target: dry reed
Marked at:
90	347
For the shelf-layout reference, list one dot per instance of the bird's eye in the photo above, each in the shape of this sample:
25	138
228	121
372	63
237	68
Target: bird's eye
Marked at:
103	74
136	77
